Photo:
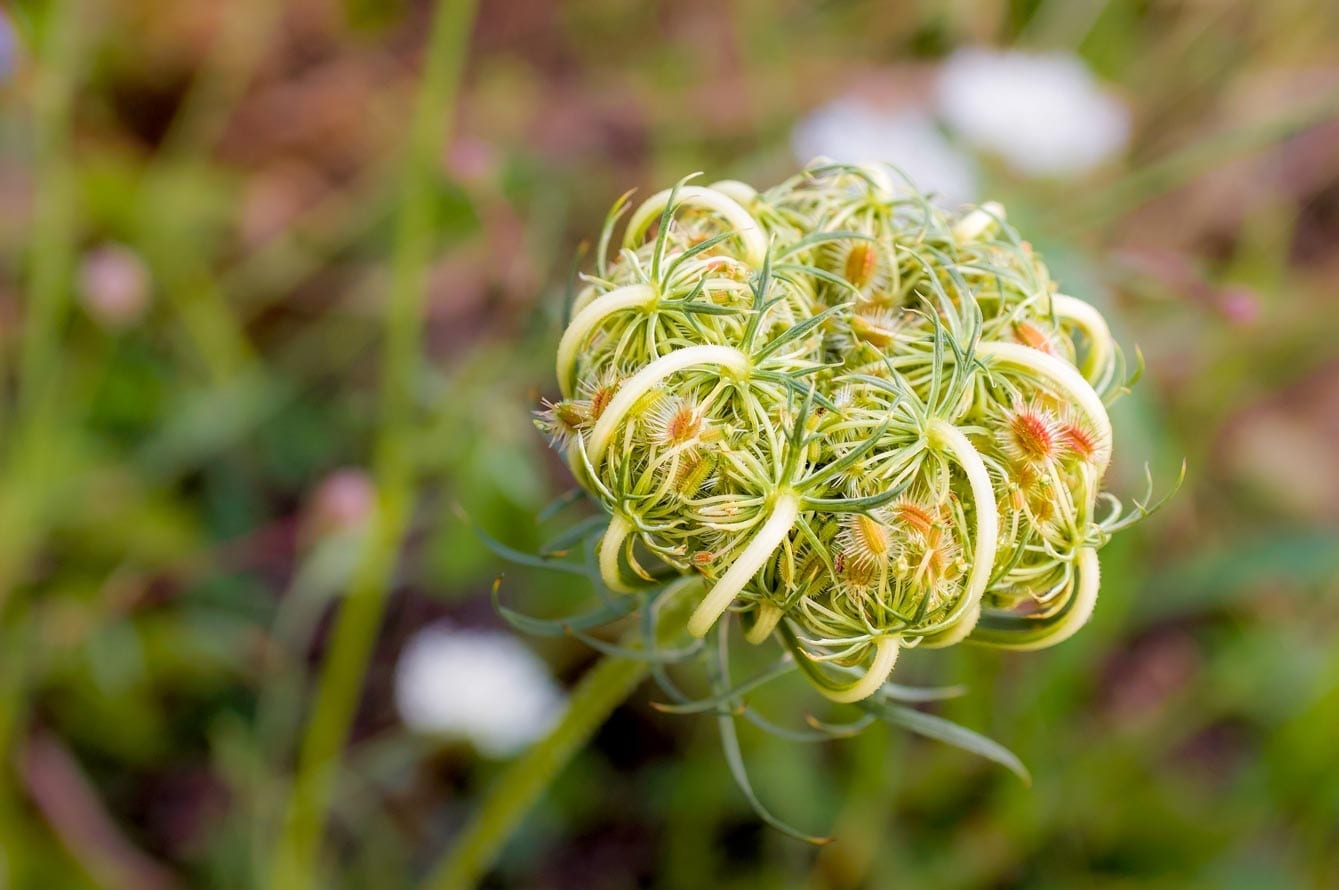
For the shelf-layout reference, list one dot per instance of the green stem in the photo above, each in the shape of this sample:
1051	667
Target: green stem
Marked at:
53	217
986	544
1021	632
32	476
639	384
749	561
750	233
600	692
1060	375
360	615
1087	319
247	31
584	323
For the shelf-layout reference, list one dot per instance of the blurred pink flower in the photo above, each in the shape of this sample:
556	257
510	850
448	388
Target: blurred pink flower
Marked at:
1239	305
114	286
9	48
344	500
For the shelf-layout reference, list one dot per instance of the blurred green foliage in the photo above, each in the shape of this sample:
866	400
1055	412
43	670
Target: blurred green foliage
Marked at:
167	561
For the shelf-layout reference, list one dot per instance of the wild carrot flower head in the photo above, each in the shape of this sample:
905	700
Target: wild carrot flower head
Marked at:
863	422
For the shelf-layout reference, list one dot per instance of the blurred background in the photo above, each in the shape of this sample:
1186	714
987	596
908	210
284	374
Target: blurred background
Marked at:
198	211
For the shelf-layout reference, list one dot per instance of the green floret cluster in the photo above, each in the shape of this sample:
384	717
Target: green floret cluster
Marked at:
866	422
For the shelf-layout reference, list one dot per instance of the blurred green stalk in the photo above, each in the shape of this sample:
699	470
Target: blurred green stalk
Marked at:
359	617
30	462
53	222
600	692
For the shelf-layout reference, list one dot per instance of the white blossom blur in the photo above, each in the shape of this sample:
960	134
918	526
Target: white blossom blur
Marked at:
484	687
1045	114
853	131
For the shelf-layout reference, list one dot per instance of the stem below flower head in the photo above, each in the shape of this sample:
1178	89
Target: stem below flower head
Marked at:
987	513
764	543
1065	377
524	781
585	322
1087	319
640	384
600	692
748	229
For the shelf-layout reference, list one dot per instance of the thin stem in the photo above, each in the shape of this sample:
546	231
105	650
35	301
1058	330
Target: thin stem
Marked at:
223	78
859	689
600	692
53	217
764	543
32	472
748	229
1094	327
987	513
885	656
643	381
1022	633
632	296
1063	376
360	615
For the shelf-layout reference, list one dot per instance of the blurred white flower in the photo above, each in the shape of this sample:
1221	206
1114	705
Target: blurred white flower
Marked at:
482	686
852	131
1045	114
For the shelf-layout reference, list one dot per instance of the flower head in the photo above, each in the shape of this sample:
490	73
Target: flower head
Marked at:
873	442
886	437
